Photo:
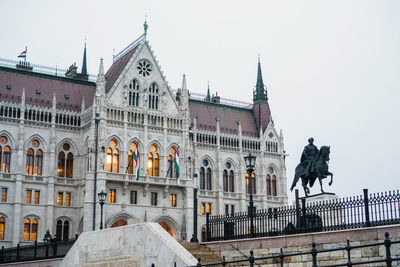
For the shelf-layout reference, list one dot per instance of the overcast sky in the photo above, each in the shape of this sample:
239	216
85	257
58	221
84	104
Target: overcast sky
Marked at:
331	67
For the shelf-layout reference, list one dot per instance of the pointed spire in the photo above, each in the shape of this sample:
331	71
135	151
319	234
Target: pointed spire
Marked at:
145	26
54	100
83	104
101	80
84	68
260	94
184	86
208	97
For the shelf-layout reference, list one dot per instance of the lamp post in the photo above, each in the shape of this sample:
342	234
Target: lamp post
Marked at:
102	198
250	161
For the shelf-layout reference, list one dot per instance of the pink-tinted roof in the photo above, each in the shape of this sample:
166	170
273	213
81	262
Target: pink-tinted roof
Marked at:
228	116
117	67
48	85
262	114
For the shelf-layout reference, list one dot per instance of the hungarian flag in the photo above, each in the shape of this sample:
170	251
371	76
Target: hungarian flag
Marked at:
176	163
23	54
137	161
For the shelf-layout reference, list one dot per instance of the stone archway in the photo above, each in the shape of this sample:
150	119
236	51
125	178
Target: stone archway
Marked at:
167	228
120	222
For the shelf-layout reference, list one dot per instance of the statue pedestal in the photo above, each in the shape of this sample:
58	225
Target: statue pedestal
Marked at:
320	197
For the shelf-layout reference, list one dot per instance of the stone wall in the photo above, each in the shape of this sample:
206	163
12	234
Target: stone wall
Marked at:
234	250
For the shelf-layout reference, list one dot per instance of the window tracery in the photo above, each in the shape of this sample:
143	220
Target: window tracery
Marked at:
271	182
228	178
153	96
65	166
30	229
62	230
34	158
132	158
153	162
205	176
112	158
134	93
171	172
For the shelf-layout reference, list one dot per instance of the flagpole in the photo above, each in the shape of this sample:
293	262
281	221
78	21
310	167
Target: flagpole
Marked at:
26	52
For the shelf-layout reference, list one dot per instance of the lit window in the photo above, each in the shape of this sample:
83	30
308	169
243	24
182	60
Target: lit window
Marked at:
173	200
133	158
112	195
153	198
2	227
4	194
209	208
253	178
112	158
153	162
65	166
30	229
27	229
60	197
5	154
68	199
203	208
34	159
171	172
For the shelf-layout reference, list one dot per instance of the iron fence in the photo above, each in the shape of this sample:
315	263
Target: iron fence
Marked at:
281	258
36	251
343	213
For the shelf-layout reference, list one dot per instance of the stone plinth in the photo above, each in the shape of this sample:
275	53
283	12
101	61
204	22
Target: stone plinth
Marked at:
136	245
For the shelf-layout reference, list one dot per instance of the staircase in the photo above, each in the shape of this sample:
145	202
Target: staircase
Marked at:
199	250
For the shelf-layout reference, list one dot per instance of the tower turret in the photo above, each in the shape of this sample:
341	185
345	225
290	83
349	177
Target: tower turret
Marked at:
260	92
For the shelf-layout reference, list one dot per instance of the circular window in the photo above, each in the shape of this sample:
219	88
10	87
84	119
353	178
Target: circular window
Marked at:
113	143
153	148
172	150
35	143
228	165
205	162
66	146
3	140
144	67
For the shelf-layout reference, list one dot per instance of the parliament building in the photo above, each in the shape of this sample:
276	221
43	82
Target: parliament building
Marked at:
66	135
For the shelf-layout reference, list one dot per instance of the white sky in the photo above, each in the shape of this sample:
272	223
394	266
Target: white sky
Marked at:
331	67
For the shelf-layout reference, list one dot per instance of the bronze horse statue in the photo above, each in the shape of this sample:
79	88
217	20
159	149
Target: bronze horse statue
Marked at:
320	171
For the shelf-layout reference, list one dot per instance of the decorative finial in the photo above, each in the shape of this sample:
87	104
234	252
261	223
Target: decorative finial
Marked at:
145	26
258	58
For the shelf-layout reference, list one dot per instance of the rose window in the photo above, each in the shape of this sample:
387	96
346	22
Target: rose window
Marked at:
144	68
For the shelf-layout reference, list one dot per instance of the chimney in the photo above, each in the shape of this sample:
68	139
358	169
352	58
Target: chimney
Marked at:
216	99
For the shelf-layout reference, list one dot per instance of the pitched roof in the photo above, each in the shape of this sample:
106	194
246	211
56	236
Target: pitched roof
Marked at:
119	64
262	114
48	85
228	116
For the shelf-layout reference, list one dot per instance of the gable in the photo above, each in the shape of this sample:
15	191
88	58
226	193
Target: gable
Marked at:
135	80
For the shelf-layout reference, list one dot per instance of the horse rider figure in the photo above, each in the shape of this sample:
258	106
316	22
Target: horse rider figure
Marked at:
309	157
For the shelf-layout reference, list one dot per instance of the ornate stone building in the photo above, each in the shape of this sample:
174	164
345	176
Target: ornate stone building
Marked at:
154	146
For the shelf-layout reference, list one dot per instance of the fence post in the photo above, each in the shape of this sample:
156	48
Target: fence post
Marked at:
366	207
251	258
314	255
303	213
208	233
348	248
17	252
297	209
281	257
223	261
35	251
387	245
2	253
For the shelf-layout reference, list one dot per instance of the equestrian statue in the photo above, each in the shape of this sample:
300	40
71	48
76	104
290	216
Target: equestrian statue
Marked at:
313	164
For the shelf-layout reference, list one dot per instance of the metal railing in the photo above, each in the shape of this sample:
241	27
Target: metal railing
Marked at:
36	251
282	258
336	214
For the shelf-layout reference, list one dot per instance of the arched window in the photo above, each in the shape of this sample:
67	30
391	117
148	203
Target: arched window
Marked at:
228	177
153	162
5	155
133	158
65	167
253	178
112	159
209	179
153	96
34	159
134	93
271	182
62	230
30	229
2	227
171	172
202	178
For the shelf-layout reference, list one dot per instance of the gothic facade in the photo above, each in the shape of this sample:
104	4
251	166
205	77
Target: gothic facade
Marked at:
64	139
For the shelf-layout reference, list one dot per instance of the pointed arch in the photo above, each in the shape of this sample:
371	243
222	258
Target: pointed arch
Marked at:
11	139
170	222
38	137
120	216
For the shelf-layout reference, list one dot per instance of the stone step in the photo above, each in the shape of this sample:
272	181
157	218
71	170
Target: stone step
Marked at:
199	250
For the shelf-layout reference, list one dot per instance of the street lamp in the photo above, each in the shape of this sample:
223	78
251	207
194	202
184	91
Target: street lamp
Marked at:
102	198
250	161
